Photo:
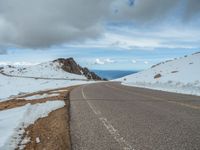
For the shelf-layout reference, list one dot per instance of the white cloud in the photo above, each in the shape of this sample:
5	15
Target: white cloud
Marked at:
55	22
108	60
41	24
146	62
4	63
133	61
99	61
131	39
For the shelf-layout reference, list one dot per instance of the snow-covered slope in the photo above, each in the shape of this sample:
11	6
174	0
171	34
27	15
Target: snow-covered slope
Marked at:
180	75
49	75
12	86
44	70
14	121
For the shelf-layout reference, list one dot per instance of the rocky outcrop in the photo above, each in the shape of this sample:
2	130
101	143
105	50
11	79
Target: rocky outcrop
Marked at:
157	76
70	65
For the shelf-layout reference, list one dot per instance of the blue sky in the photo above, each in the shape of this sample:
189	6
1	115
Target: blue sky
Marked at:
109	59
108	35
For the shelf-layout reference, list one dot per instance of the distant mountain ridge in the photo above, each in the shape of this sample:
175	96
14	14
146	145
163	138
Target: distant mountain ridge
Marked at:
59	68
70	65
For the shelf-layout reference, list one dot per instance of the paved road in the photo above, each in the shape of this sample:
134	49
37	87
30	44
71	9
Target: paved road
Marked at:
109	116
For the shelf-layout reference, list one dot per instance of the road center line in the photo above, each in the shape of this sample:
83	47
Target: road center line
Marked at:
114	132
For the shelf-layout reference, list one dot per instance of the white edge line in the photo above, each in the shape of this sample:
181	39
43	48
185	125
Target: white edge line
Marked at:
91	106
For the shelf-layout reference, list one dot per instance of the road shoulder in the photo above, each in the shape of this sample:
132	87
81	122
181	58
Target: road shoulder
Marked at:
50	132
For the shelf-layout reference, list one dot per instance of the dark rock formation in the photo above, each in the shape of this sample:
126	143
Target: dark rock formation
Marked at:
157	76
69	65
174	71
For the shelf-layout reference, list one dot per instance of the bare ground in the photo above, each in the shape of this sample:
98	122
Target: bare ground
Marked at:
53	132
21	100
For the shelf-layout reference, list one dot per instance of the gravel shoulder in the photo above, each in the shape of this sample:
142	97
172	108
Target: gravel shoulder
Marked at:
52	132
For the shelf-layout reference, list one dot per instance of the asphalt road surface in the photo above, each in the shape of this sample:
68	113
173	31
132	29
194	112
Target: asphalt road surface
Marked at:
110	116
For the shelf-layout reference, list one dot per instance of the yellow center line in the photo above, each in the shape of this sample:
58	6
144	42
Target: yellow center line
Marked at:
156	98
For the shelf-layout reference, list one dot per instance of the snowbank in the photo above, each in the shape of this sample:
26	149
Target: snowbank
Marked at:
13	121
40	96
180	75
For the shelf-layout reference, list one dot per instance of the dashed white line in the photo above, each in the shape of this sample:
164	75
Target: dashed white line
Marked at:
114	132
91	106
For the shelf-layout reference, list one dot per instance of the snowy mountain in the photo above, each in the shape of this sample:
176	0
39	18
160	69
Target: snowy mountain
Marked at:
60	68
48	75
179	75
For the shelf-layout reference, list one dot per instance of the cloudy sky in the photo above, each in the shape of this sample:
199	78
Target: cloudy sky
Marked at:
99	34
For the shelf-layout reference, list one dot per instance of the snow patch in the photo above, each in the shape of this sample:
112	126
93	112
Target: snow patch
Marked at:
38	96
37	140
56	91
14	121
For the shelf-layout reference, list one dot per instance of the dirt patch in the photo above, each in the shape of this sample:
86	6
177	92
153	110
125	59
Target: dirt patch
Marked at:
21	101
52	131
